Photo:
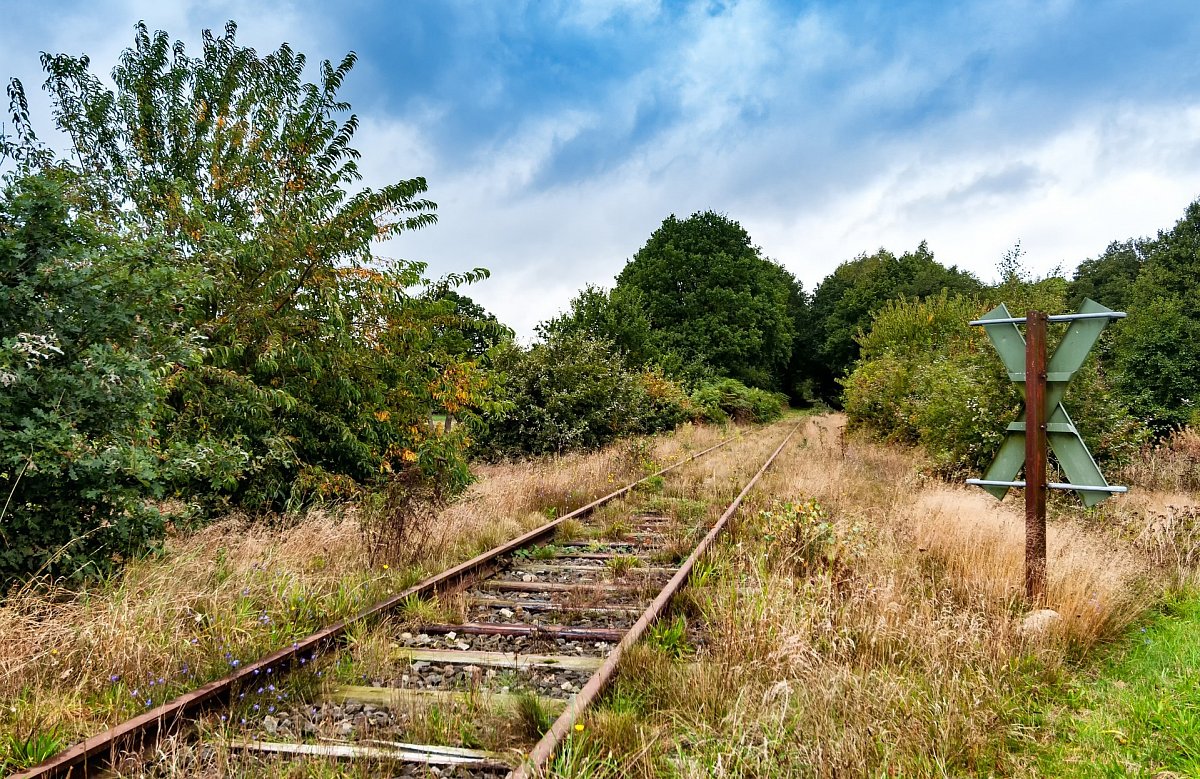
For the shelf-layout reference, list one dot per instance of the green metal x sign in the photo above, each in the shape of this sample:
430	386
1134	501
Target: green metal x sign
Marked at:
1073	455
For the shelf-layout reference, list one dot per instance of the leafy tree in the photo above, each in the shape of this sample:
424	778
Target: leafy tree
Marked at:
318	365
89	339
1109	279
844	303
470	329
715	301
618	316
1157	349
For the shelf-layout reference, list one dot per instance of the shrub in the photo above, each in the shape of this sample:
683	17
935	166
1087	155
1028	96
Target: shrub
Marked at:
928	378
86	342
725	399
570	392
661	403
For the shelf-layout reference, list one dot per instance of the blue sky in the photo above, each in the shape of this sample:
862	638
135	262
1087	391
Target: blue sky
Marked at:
557	135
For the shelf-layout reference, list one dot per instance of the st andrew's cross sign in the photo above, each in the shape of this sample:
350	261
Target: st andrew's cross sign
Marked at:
1045	421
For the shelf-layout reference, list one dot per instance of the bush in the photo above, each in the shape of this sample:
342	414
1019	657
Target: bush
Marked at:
660	403
928	378
726	399
574	391
86	342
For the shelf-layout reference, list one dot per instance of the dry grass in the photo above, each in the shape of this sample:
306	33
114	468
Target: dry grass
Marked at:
860	619
865	621
1172	465
74	662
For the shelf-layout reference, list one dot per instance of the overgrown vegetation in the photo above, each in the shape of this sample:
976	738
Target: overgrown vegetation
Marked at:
865	621
191	308
927	378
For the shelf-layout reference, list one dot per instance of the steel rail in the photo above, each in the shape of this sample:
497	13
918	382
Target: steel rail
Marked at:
541	754
95	753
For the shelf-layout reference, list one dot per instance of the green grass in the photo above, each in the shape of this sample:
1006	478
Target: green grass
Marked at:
1138	714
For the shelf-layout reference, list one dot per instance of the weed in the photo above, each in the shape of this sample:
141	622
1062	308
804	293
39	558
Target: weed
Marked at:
569	530
545	552
800	535
616	530
670	637
532	715
652	484
620	565
420	611
32	748
580	756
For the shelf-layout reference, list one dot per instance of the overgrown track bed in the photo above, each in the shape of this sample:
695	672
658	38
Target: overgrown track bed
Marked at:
538	624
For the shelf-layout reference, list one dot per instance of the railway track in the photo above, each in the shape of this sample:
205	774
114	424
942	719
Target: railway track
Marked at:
539	624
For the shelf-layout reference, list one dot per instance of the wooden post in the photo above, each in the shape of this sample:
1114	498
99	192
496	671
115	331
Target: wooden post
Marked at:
1035	456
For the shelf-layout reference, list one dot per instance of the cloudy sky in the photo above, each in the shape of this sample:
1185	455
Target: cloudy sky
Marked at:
556	136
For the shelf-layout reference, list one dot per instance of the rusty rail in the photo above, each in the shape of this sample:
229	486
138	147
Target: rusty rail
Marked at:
543	751
96	753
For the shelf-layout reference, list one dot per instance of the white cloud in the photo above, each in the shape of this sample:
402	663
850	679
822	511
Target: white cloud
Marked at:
810	129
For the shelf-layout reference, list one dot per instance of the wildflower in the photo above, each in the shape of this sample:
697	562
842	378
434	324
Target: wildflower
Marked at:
147	703
235	663
578	727
115	678
256	707
385	567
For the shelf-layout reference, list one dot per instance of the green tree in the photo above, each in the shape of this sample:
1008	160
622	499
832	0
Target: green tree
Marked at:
89	336
845	301
468	330
318	365
573	391
715	301
1109	279
1157	349
618	316
926	377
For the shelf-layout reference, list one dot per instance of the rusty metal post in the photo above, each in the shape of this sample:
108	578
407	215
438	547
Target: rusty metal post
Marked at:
1035	456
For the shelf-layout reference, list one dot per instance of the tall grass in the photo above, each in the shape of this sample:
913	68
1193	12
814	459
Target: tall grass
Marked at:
74	661
864	620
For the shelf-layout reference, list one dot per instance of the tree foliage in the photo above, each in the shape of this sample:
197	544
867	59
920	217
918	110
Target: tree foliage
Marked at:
89	338
619	316
926	377
1157	349
571	392
714	300
317	364
845	301
1109	279
190	306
